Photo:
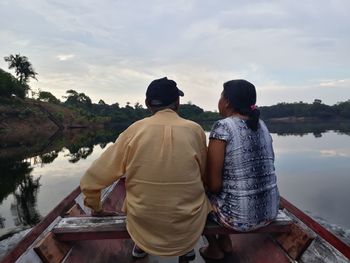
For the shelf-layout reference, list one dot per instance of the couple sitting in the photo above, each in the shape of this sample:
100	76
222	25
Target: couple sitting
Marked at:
174	181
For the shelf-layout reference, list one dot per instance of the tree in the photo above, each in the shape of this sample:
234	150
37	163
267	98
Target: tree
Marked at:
138	106
10	86
128	105
190	111
343	109
77	99
48	97
23	68
115	105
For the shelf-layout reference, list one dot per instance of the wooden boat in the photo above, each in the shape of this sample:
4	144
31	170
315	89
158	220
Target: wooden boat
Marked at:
69	234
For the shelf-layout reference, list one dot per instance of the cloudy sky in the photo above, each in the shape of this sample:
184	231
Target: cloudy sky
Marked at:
111	50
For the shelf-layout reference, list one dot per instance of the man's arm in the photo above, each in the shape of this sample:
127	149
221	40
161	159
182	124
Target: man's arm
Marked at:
108	168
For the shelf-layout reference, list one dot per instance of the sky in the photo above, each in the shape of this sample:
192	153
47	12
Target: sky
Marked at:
111	50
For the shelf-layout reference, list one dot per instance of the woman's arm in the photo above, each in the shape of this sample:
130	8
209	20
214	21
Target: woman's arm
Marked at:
215	164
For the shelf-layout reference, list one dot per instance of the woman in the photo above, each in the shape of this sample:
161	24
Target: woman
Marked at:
240	175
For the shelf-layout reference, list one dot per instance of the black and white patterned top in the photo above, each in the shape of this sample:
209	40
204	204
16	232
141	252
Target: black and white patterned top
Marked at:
249	197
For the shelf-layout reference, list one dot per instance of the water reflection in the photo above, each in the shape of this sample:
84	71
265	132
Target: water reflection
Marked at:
24	208
300	128
48	157
20	188
2	222
12	174
16	179
82	153
304	128
59	163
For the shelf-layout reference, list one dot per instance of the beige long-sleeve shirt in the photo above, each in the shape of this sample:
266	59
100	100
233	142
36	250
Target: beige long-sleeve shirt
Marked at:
163	158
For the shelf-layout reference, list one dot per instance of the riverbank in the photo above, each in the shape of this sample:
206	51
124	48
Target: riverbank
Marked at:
30	126
25	123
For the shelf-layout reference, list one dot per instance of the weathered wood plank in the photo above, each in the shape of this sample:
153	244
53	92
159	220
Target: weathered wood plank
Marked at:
30	255
295	242
50	250
320	251
76	224
279	225
332	239
90	228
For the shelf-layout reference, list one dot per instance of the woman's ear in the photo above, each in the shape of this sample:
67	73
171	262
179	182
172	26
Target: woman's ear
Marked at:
226	103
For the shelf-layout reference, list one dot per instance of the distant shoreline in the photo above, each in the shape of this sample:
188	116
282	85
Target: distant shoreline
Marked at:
293	119
25	123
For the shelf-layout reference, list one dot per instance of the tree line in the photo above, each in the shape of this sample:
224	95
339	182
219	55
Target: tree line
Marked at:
317	109
118	114
18	86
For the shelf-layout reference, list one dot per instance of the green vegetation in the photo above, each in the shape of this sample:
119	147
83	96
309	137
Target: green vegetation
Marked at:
10	86
86	112
115	114
195	113
48	97
128	114
301	109
80	107
101	112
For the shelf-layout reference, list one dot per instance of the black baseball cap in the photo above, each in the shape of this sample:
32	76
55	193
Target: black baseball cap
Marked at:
162	92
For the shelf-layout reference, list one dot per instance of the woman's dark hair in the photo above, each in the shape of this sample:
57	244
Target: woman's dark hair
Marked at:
241	95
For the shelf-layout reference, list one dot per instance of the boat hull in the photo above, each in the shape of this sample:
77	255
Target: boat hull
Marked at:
312	243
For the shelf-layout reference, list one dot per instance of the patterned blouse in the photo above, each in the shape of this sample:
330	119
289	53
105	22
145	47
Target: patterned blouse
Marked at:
249	197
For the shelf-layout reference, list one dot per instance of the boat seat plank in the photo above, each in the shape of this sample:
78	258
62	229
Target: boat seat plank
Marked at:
50	250
295	242
95	228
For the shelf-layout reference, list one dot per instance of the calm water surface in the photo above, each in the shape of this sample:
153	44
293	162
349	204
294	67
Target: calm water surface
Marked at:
312	169
313	173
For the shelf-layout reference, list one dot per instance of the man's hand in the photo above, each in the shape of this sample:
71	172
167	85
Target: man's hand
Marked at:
106	213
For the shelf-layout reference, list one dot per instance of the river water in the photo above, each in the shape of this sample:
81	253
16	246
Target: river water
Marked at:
312	168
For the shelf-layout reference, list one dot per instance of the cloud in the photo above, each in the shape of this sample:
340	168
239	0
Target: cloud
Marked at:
335	83
290	51
65	57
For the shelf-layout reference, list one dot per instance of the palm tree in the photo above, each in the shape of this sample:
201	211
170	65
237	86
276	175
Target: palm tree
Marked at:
24	69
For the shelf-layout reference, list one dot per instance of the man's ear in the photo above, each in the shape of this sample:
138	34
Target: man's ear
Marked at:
177	104
146	103
148	106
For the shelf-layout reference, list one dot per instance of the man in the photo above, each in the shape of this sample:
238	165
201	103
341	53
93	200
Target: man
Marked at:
163	158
